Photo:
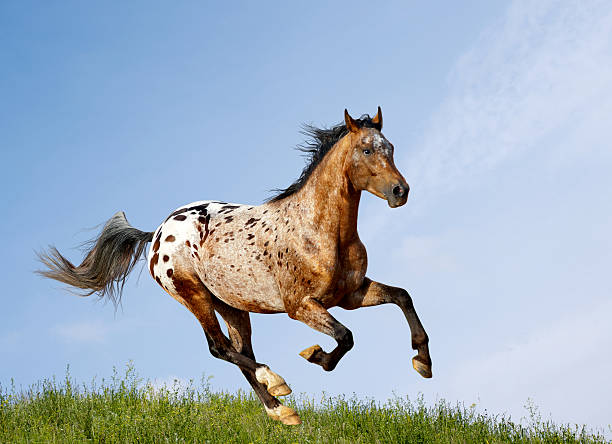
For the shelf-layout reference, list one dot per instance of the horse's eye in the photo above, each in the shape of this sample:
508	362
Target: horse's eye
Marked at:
367	152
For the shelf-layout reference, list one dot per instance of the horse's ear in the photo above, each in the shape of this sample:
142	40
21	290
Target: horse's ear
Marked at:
351	124
377	120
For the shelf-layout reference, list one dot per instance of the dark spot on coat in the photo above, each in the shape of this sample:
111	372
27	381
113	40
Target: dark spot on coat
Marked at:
188	243
170	272
157	241
229	218
153	262
228	208
250	236
180	217
195	253
158	280
266	243
201	209
158	237
170	238
166	258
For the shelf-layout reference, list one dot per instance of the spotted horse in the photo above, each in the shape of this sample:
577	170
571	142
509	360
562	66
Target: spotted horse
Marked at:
299	253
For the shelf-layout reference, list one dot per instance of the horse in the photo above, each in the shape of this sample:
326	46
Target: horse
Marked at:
298	253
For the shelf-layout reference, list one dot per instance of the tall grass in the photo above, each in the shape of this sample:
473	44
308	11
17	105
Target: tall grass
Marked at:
124	409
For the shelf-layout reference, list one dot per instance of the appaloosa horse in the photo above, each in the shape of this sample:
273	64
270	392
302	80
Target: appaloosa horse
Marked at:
299	253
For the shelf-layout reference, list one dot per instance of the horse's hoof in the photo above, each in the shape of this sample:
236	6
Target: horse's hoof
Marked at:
284	414
279	390
311	353
421	367
291	420
274	383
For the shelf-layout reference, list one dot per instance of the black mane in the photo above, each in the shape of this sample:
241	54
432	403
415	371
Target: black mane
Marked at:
318	144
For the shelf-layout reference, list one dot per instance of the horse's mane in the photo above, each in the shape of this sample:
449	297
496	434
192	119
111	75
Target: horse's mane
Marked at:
318	143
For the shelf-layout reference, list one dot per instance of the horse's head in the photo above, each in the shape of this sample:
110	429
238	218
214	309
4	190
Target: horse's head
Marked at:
369	162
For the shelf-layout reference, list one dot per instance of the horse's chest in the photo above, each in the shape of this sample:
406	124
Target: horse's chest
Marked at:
353	263
350	270
322	269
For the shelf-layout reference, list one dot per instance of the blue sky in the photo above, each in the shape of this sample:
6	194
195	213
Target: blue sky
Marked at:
499	112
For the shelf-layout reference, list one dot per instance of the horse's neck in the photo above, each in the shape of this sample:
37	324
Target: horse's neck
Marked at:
328	200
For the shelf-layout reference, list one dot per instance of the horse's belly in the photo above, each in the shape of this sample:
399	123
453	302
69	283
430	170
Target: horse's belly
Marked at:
242	287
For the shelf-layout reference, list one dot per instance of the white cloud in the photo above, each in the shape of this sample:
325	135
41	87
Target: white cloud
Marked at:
530	77
83	332
535	89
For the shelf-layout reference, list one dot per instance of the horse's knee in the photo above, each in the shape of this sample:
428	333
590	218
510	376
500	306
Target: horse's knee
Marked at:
404	299
345	339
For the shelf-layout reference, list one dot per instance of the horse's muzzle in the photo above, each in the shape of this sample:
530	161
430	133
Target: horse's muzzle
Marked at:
398	194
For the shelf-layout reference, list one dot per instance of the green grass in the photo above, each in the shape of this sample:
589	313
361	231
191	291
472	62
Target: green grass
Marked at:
126	410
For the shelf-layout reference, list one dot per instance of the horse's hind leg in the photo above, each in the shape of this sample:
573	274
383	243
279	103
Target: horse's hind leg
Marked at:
374	293
239	329
192	293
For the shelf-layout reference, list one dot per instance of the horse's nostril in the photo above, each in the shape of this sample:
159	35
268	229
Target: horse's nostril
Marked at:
398	191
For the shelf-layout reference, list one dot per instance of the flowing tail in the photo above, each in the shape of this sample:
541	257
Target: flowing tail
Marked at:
110	258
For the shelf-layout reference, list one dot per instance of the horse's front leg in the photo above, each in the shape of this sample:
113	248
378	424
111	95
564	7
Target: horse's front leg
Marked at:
374	293
313	314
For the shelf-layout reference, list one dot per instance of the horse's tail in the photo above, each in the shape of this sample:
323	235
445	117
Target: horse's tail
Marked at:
110	258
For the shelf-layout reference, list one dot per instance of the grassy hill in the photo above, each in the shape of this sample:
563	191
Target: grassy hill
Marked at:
125	410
